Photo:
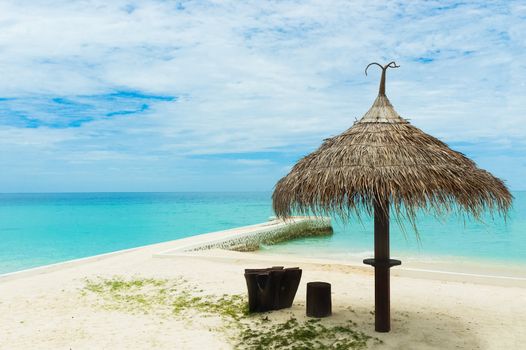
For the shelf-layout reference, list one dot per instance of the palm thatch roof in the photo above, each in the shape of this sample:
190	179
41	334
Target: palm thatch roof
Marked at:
383	157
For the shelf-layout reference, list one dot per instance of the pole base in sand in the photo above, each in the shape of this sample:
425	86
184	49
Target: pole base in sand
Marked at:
382	322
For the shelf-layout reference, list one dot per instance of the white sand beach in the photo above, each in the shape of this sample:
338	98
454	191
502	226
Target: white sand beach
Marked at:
49	308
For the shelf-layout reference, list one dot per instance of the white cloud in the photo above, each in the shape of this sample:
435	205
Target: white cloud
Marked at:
260	76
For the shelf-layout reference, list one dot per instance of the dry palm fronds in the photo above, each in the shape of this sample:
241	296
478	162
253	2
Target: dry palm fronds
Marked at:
382	156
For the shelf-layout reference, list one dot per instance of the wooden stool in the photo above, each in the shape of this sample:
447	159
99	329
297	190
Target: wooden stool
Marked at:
319	299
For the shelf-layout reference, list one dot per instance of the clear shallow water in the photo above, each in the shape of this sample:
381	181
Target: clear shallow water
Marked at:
40	229
490	240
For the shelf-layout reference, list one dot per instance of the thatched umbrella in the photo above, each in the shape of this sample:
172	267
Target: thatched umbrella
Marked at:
384	163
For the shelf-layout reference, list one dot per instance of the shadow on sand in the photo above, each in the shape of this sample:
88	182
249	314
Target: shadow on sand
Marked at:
413	330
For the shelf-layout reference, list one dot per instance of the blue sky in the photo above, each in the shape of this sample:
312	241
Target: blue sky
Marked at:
227	95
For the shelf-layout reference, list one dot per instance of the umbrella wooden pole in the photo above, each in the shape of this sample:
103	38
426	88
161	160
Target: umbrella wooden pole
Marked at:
381	270
382	263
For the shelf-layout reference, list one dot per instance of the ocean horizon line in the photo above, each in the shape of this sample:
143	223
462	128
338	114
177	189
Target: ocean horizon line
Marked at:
118	192
190	191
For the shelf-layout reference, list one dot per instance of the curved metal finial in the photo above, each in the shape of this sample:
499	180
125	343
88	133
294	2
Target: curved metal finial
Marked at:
391	64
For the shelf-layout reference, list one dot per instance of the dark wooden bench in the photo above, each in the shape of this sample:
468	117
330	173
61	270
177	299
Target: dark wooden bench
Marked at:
272	288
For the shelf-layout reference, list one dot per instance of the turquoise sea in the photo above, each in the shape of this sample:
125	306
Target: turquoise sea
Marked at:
40	229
